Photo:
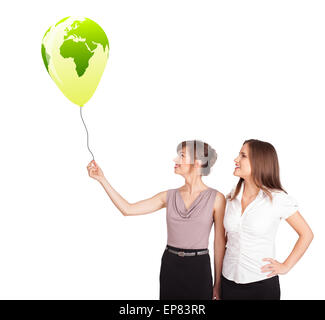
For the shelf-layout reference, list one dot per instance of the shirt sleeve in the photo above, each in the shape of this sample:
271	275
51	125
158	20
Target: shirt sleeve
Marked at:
288	205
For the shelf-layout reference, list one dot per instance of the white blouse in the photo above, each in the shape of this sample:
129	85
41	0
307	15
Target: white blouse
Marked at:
251	236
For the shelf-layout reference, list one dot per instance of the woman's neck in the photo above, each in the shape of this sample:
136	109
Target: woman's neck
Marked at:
250	188
194	185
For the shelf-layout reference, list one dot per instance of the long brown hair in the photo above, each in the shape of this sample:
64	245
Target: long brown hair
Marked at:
265	167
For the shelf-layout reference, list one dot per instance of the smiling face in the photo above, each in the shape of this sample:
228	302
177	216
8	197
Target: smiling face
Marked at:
242	162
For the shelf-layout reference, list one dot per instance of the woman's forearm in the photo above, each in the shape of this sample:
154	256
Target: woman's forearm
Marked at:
299	249
116	198
219	252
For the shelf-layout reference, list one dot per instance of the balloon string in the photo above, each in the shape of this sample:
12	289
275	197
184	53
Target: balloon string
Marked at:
86	131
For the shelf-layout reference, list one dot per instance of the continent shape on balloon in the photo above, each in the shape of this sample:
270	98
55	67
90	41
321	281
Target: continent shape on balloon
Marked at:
75	52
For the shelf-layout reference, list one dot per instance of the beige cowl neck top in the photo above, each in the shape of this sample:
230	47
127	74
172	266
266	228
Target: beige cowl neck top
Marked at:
189	228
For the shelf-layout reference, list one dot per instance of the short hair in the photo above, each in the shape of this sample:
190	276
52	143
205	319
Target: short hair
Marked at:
200	150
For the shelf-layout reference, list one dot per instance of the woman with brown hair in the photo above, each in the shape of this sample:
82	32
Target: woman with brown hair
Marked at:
253	212
185	271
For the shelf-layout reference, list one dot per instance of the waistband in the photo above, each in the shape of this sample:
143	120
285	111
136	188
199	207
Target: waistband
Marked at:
249	284
186	252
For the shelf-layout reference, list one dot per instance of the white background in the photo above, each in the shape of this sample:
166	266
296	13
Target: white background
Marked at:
178	70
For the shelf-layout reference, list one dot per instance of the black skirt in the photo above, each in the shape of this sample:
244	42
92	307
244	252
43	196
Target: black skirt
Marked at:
187	277
268	289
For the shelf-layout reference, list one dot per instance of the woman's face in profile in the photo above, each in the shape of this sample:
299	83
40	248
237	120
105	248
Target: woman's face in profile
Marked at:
243	166
182	162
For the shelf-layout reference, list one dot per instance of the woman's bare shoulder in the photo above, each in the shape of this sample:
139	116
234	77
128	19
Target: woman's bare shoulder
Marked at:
220	199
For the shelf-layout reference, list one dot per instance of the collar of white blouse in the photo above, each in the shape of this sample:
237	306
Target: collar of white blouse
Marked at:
260	195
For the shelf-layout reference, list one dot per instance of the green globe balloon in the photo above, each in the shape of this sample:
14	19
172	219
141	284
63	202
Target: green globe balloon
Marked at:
75	52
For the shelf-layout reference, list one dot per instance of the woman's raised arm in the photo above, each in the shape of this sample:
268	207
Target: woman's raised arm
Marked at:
145	206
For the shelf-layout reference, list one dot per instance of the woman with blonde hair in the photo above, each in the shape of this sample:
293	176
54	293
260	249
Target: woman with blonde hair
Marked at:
192	209
253	212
